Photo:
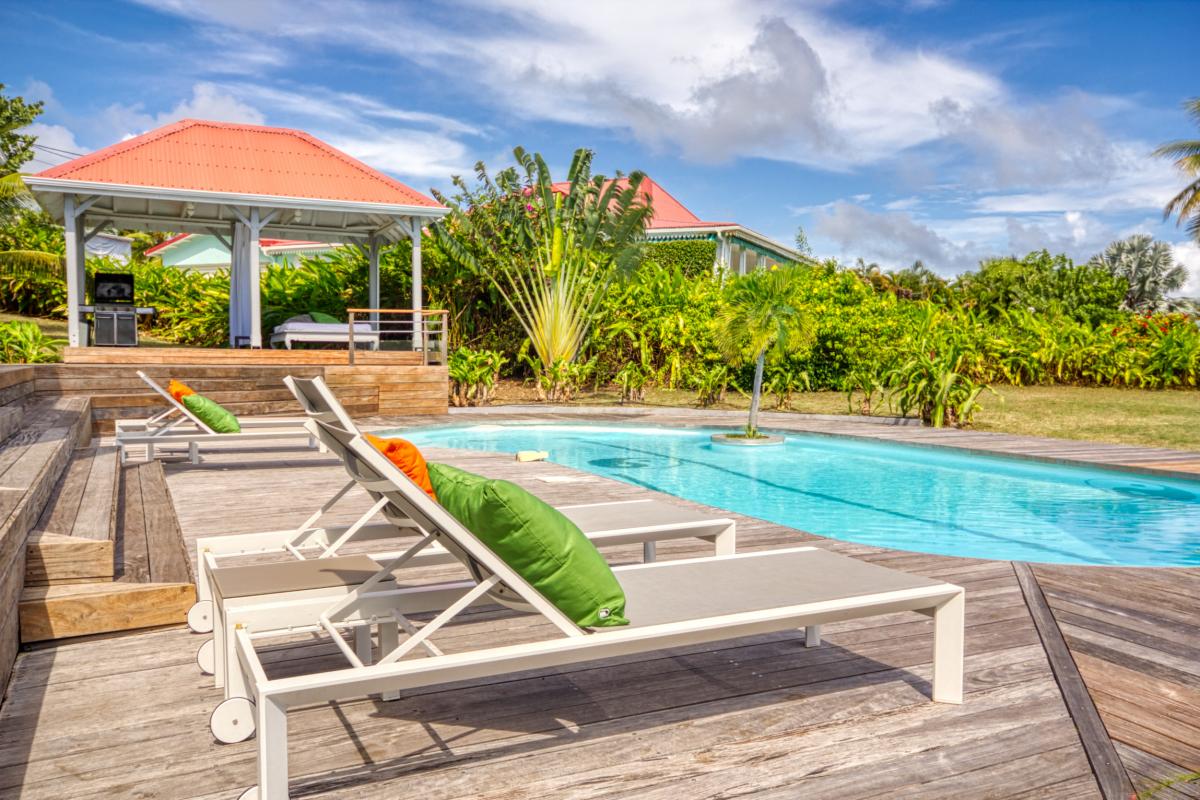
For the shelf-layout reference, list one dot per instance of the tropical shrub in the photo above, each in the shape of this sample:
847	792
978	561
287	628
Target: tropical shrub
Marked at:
660	320
632	380
25	343
550	252
928	377
710	385
32	293
473	375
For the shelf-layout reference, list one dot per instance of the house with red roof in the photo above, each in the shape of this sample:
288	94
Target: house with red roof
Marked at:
206	252
739	249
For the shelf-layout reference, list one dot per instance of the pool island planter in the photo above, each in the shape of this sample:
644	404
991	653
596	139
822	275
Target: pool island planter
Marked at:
741	440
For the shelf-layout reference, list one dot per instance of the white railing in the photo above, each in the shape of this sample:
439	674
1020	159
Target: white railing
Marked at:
373	329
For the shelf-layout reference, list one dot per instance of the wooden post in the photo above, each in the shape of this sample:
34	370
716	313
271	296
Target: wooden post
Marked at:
255	282
75	286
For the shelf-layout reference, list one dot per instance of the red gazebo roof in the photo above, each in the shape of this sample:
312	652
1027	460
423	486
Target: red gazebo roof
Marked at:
199	155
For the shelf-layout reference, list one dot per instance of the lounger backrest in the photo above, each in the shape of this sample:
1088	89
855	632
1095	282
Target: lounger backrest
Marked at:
409	502
318	401
178	406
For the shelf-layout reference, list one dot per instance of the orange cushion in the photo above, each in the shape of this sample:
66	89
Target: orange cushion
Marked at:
405	455
179	390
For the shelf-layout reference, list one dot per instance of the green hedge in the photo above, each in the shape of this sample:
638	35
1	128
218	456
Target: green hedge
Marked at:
692	257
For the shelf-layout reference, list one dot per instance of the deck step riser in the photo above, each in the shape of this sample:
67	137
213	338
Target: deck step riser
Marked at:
56	559
59	612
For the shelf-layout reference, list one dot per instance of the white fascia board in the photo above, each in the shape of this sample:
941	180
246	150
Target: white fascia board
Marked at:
65	186
738	230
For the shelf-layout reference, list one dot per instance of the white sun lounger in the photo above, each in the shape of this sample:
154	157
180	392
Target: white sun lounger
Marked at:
329	574
670	604
177	426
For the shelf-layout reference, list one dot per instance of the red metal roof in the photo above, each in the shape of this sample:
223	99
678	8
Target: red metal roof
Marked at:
239	159
668	212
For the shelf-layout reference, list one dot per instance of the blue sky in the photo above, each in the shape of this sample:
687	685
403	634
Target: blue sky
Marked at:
933	129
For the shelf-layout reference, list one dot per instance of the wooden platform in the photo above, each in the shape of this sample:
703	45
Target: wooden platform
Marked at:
247	389
224	357
762	717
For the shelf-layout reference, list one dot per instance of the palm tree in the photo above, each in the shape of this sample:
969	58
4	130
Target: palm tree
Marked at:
1149	268
763	317
1186	153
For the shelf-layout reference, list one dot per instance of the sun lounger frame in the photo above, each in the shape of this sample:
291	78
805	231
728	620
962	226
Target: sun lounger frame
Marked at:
321	404
176	425
270	699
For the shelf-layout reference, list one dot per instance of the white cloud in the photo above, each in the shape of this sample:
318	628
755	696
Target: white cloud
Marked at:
715	79
207	101
57	144
894	238
1188	255
1135	181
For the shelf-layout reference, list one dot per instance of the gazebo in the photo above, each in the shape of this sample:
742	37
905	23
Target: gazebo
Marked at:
239	183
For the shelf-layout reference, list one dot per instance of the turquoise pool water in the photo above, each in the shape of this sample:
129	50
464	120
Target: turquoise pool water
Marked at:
909	498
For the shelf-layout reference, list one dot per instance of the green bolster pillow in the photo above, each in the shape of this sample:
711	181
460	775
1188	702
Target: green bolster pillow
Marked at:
322	317
212	414
537	541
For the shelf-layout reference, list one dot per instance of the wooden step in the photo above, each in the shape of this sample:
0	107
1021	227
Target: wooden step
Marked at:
149	581
73	539
54	559
57	612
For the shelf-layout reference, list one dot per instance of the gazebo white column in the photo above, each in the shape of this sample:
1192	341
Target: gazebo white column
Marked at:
74	242
373	275
245	281
418	300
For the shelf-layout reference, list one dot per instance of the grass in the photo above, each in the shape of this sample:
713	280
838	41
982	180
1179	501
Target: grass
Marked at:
1168	418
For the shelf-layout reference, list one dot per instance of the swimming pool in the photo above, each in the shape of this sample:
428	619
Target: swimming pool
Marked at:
910	498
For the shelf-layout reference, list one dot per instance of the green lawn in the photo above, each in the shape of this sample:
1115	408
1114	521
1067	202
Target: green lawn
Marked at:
1124	416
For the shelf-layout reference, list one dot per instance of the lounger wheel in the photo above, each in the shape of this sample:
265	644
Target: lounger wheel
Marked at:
206	657
232	721
199	617
249	794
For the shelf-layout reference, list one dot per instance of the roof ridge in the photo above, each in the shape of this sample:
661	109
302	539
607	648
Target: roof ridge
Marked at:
350	160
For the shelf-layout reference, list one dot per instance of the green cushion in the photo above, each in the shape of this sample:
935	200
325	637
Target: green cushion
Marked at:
537	541
212	414
321	316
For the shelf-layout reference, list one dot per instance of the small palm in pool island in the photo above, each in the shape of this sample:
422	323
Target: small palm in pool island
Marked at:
889	495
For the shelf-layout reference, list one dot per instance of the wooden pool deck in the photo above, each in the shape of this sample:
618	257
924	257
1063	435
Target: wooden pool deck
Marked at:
126	715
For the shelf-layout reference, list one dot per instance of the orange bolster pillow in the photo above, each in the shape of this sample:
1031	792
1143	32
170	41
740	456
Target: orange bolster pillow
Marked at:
179	390
405	455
